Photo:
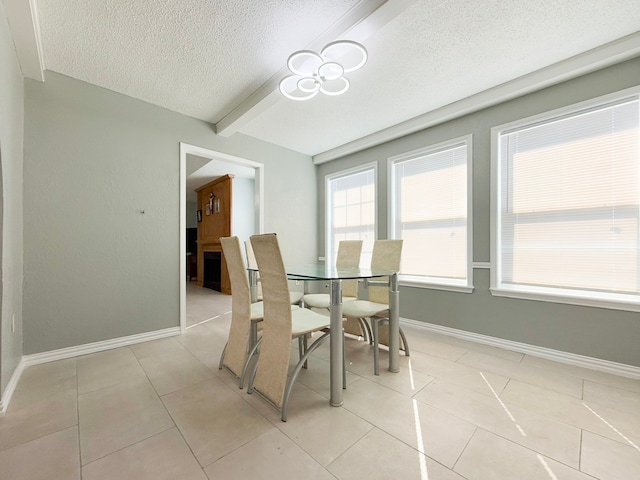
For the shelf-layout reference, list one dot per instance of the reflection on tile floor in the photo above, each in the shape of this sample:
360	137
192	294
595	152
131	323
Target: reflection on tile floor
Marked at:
456	410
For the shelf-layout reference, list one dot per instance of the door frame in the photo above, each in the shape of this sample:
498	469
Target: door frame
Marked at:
186	149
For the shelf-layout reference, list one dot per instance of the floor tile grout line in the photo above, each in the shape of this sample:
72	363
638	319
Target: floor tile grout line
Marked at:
466	445
580	450
567	396
582	377
124	447
612	427
507	438
141	440
546	456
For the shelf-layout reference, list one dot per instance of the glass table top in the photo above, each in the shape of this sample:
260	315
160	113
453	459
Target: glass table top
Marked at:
320	271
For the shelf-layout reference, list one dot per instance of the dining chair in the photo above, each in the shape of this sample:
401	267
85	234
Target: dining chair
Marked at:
386	256
295	297
348	257
245	316
280	326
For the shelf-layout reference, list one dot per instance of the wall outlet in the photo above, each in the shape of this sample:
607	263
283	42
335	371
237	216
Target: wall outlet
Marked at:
13	323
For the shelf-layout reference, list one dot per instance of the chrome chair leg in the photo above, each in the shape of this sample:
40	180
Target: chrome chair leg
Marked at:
375	324
305	346
376	352
224	350
246	367
344	364
404	343
366	331
296	372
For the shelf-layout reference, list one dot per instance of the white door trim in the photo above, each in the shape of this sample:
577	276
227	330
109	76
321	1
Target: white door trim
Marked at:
185	149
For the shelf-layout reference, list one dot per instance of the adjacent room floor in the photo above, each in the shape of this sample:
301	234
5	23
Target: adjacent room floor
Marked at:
457	410
204	304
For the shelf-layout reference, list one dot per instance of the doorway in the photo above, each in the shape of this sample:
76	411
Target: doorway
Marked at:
193	158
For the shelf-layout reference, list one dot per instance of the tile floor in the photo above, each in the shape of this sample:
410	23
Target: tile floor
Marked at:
457	410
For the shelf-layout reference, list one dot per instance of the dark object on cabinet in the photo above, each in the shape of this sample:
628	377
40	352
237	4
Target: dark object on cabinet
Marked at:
192	244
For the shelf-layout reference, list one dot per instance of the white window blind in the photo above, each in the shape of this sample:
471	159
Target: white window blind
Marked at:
351	211
429	211
569	204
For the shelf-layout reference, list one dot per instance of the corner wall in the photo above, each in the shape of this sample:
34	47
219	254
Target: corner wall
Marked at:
11	227
595	332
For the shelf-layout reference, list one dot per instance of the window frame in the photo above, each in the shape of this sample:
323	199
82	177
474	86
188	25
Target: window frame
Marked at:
329	254
562	295
435	283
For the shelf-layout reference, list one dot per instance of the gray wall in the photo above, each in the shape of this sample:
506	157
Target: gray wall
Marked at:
607	334
96	268
11	159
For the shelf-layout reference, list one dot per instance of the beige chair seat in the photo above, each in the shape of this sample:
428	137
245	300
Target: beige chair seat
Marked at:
306	321
257	310
321	300
295	297
364	308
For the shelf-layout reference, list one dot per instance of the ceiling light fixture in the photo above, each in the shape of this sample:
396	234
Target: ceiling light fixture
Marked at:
322	72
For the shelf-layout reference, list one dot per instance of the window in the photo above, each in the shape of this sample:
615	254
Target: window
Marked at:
430	204
566	207
351	211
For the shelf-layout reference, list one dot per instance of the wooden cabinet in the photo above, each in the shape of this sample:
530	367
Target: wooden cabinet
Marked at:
214	201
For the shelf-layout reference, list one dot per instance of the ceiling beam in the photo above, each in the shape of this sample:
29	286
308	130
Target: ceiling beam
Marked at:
359	23
25	30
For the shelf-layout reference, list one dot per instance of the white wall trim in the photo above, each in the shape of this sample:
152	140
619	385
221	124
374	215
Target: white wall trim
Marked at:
604	56
11	387
25	30
94	347
606	366
486	265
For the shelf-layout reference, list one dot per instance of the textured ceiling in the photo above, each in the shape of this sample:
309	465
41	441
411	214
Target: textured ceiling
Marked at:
203	58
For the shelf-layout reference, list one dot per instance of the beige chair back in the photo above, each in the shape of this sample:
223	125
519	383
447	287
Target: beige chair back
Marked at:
239	331
349	257
273	362
251	257
386	255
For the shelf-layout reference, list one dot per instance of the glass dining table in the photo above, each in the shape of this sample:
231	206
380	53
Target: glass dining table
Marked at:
335	276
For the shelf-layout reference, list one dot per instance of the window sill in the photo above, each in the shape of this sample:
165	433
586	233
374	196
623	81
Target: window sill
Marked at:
586	299
436	286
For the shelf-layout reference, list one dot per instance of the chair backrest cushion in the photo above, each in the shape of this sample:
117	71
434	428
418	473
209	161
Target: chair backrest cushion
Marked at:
240	328
349	257
386	255
251	257
275	350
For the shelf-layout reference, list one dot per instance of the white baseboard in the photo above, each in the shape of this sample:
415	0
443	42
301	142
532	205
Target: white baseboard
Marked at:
11	386
607	366
76	351
88	348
